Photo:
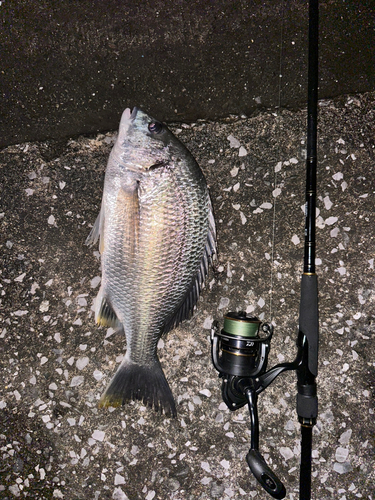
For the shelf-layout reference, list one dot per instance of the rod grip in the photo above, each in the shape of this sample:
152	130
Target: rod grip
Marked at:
309	318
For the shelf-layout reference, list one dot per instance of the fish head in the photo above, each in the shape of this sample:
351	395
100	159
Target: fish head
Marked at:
142	141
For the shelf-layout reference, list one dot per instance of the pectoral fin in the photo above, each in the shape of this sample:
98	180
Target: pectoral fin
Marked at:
97	231
128	211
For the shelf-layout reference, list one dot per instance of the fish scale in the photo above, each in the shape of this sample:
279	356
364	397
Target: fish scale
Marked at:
157	236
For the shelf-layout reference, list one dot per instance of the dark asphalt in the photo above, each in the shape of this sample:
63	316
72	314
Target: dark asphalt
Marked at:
69	68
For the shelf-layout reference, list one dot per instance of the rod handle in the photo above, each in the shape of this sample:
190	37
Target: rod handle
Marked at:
270	482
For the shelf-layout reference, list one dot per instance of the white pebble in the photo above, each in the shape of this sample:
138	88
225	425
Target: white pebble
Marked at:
278	166
276	192
14	489
330	221
327	203
98	435
82	301
242	151
261	302
236	187
135	450
225	464
233	142
205	392
224	302
208	323
119	479
20	313
234	171
266	205
338	176
51	220
76	381
95	281
342	468
341	270
19	278
44	306
295	239
286	453
345	437
206	466
118	494
81	363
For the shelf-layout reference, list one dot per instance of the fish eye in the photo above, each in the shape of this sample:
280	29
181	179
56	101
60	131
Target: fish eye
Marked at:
155	127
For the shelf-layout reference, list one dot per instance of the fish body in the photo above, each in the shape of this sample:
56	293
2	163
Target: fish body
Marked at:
157	239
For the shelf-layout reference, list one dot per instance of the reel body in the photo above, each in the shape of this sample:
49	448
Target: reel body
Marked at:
240	355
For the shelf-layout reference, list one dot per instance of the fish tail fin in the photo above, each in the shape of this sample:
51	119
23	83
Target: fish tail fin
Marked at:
145	383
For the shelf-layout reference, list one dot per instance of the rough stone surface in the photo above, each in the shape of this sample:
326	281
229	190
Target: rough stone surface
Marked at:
69	68
55	363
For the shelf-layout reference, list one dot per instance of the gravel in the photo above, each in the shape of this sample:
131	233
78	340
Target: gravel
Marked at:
55	363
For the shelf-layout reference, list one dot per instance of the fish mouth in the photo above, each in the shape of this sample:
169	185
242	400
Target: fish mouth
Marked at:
130	114
134	113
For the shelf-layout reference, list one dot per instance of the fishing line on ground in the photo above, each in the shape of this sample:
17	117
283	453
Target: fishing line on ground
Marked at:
280	76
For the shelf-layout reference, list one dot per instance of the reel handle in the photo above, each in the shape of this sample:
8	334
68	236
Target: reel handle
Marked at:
269	481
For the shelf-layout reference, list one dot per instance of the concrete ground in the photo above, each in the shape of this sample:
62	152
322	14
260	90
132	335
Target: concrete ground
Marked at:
55	362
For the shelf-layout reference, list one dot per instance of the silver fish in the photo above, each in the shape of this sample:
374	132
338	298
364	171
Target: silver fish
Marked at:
157	239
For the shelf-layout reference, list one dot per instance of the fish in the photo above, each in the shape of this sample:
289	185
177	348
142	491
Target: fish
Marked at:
157	240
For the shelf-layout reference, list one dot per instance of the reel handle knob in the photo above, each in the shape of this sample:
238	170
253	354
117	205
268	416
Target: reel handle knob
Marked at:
270	482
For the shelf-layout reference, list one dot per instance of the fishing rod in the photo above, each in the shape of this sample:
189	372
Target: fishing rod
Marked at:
240	353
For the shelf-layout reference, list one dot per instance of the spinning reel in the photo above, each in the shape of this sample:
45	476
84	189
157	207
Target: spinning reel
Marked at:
240	356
